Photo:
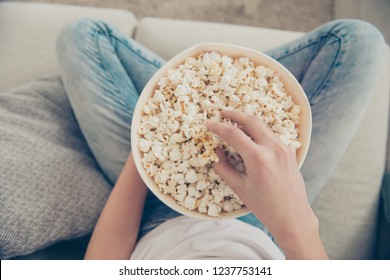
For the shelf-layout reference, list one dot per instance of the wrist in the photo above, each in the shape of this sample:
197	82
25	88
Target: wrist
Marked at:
132	170
301	240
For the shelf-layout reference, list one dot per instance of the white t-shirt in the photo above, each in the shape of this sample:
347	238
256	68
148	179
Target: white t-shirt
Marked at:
188	238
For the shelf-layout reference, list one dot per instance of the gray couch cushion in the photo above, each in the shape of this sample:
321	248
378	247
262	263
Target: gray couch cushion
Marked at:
51	188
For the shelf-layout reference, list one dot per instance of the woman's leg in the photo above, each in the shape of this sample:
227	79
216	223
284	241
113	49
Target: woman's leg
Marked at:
338	66
104	73
95	62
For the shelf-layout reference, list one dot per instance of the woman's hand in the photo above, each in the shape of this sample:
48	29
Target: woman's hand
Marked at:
272	186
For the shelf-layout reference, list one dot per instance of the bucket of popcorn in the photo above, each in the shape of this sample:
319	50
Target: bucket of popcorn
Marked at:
172	147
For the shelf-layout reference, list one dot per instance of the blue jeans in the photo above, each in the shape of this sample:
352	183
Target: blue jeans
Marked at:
337	64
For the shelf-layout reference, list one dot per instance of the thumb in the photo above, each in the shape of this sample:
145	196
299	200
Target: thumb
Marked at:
228	173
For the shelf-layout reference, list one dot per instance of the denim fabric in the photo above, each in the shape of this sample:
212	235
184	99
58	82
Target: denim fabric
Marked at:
337	64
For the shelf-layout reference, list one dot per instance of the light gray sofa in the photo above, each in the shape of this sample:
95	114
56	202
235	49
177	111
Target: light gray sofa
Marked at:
347	208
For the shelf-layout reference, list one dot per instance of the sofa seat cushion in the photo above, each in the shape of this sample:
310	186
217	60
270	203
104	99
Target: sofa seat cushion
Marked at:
28	33
51	187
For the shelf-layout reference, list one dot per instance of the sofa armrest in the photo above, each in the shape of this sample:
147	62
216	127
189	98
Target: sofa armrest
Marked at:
168	37
28	33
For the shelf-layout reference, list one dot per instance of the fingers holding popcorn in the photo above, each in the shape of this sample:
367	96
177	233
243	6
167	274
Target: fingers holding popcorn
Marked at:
250	124
227	172
234	136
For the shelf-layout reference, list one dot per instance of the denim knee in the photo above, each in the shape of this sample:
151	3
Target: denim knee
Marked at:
361	44
363	36
79	36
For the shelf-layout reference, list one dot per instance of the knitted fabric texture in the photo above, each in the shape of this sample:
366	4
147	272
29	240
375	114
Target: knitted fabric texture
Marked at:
51	188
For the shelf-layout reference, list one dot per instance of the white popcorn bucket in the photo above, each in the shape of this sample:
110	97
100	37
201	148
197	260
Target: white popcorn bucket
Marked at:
291	85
